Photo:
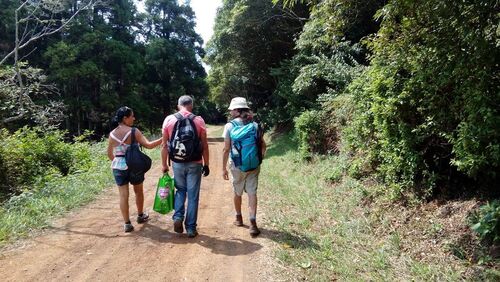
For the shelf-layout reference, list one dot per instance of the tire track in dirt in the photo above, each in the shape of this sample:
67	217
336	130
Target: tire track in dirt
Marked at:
89	243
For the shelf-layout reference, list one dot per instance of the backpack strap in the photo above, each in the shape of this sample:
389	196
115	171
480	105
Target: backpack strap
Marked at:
132	131
191	117
258	135
118	140
257	129
178	116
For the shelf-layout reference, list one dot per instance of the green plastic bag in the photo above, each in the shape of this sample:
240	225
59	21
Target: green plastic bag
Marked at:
164	197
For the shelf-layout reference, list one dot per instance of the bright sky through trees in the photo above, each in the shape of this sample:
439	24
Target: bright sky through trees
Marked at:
205	11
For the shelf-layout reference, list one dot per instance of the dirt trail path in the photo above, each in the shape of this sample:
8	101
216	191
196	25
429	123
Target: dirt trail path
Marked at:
90	245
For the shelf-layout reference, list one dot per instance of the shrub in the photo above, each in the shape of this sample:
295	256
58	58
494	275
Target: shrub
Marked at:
428	113
335	174
32	155
487	223
309	133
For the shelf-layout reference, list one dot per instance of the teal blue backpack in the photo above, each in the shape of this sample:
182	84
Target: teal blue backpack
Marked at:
245	147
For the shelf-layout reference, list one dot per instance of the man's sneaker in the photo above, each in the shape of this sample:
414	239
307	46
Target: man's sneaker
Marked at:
254	230
239	220
128	227
192	233
178	226
142	218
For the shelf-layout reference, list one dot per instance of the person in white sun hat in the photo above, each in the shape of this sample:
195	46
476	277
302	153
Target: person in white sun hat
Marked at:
244	142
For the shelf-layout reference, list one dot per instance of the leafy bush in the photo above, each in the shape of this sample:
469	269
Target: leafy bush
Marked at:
33	155
309	133
34	209
487	223
428	107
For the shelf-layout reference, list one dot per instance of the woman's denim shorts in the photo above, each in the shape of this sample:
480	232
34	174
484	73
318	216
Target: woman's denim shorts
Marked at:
123	177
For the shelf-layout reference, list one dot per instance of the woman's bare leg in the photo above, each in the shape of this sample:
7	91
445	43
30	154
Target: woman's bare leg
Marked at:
139	198
124	202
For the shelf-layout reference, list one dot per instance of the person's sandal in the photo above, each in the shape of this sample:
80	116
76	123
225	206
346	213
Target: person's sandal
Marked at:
239	220
142	217
128	227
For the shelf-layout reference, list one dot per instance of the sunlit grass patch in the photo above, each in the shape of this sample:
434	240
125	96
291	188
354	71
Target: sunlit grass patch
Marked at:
215	130
338	227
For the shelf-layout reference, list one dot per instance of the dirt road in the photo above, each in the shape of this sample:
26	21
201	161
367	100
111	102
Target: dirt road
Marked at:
90	245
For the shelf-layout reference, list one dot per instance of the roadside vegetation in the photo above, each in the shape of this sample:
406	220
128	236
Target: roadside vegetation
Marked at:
330	225
43	176
394	166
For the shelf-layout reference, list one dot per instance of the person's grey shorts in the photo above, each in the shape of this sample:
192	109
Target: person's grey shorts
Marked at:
244	181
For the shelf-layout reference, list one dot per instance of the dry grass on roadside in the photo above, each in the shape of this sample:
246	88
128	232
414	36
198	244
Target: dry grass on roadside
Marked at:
348	230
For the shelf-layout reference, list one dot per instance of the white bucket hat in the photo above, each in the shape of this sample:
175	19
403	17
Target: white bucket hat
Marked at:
238	103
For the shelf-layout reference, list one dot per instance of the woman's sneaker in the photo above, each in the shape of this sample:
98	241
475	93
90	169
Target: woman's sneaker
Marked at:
128	227
142	218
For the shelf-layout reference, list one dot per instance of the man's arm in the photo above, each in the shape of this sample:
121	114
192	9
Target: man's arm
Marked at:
263	147
225	157
204	142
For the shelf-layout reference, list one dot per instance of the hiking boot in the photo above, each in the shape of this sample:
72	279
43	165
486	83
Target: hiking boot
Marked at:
239	220
178	226
142	218
192	233
254	230
128	227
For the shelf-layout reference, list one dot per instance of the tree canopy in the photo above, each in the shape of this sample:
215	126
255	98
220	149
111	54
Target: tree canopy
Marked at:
408	90
110	55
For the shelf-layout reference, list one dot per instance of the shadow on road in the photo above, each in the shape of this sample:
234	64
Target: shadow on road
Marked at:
298	241
228	247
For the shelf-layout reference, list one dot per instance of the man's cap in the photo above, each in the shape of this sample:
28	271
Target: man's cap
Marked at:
185	100
238	103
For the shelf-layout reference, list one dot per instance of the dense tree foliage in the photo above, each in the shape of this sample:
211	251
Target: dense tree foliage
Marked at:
7	27
329	56
172	55
408	89
250	39
432	94
111	55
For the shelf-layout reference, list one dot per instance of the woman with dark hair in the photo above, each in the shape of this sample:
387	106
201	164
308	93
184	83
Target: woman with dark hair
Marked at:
119	141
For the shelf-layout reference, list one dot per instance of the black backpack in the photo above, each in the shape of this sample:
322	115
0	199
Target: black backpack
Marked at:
184	145
136	160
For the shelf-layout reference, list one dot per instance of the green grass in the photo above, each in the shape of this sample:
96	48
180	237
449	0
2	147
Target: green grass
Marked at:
322	229
34	210
217	132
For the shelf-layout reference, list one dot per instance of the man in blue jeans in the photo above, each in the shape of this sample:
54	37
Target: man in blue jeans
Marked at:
185	144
